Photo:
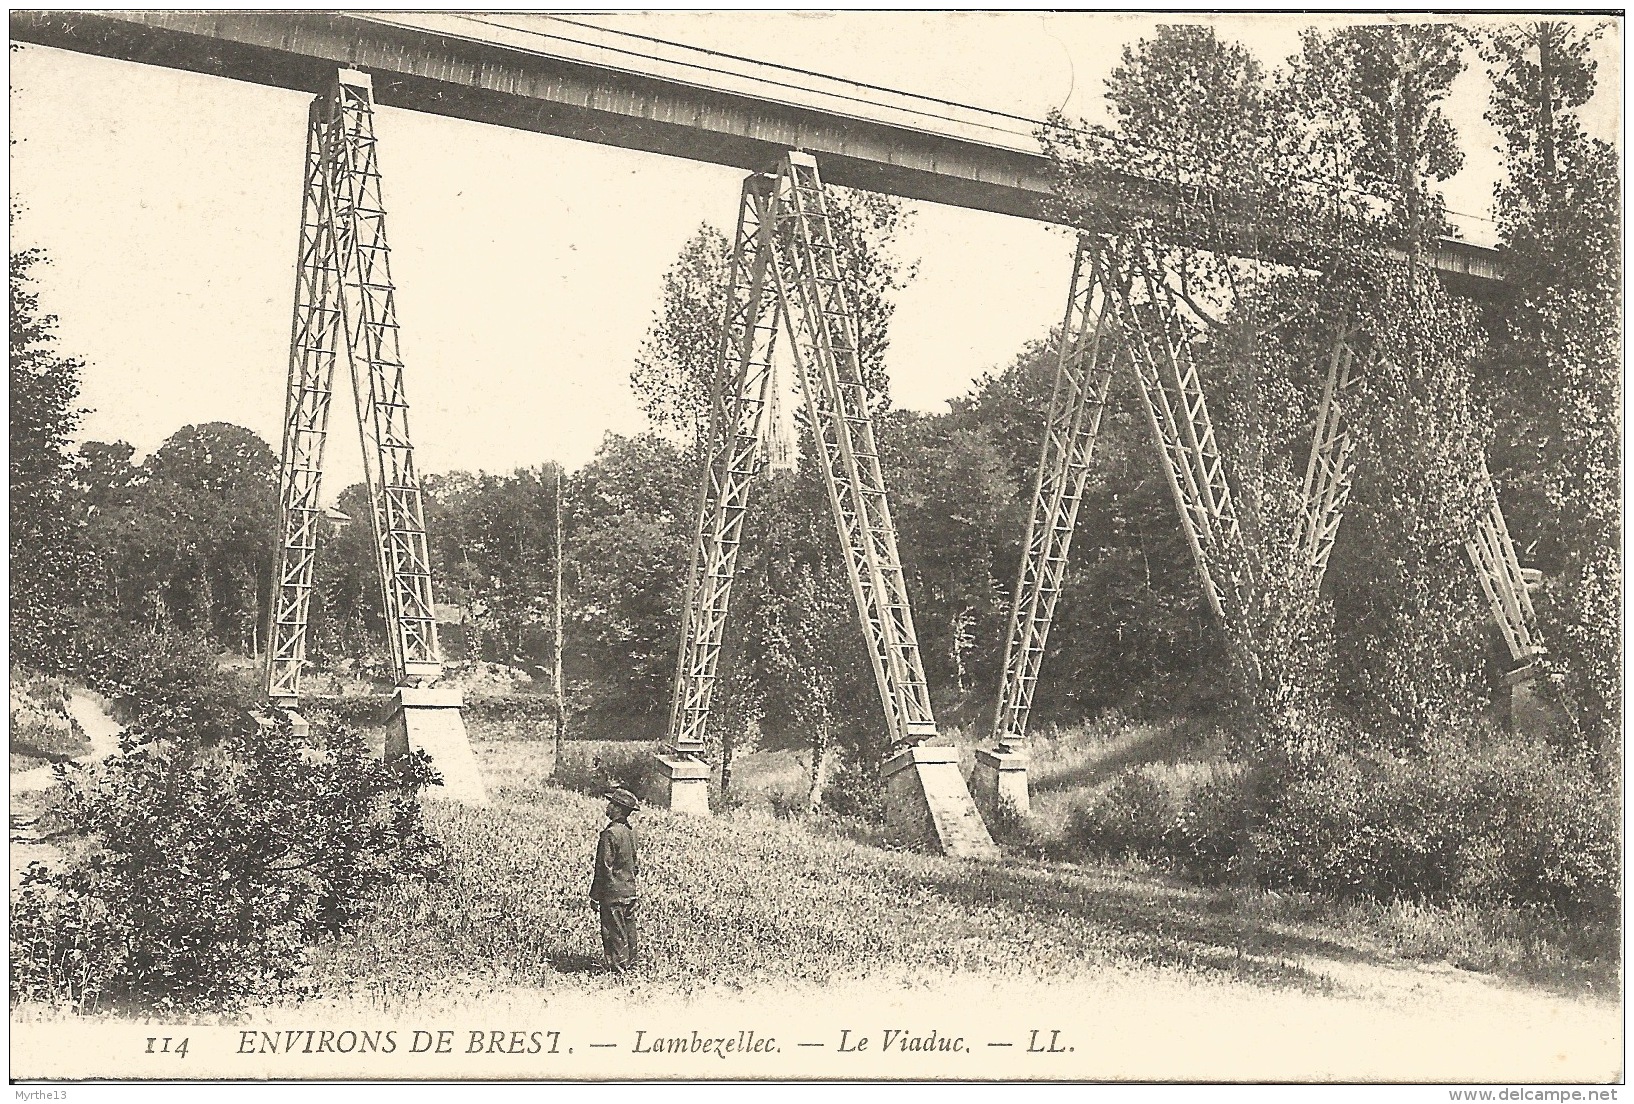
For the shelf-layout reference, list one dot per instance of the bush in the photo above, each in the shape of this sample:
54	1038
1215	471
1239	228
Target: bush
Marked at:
207	871
1502	819
854	789
167	679
1130	817
41	729
595	770
511	717
372	711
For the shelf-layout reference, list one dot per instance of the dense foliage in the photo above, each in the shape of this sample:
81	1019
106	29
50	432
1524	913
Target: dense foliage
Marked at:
206	872
1225	172
1558	359
48	555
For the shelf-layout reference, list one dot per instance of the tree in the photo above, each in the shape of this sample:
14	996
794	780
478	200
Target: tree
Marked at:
1383	85
781	668
675	367
187	537
492	542
953	500
1557	360
626	554
674	371
347	616
49	560
1329	167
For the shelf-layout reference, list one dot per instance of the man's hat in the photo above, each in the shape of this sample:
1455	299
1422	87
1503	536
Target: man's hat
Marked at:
623	797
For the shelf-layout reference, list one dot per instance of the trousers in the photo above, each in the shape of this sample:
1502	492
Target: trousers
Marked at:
618	937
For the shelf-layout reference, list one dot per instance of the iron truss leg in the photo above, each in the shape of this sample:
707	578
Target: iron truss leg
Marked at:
785	244
313	343
344	296
369	311
731	461
823	330
1158	337
926	799
1084	369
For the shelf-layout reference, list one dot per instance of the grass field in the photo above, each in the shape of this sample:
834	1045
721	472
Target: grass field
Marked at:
751	914
747	899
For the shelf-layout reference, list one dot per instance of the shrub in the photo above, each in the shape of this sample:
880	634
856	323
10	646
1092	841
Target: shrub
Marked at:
1475	817
788	801
207	871
854	789
41	729
1130	817
596	769
166	678
372	711
1015	830
1206	836
511	717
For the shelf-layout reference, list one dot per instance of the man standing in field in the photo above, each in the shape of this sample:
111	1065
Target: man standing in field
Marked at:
614	887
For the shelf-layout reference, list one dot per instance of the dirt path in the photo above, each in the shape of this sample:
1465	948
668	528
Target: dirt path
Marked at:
102	731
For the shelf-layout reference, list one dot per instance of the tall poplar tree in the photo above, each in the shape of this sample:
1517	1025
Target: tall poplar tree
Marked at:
1559	353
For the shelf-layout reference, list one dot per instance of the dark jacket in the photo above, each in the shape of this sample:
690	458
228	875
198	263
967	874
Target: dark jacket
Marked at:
615	866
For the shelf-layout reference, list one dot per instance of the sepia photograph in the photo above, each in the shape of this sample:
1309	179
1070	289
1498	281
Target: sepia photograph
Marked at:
817	546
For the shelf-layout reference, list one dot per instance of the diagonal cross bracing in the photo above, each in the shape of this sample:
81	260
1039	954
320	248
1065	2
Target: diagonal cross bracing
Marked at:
733	458
1087	359
1159	338
314	339
345	304
811	290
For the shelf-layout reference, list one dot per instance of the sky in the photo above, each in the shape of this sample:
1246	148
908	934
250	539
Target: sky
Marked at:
528	267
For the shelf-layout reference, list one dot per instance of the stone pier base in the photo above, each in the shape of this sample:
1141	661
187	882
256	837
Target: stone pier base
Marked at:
298	724
1000	782
683	785
928	807
429	719
1524	707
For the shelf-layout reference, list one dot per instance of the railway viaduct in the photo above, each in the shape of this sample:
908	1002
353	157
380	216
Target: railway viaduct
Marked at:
560	76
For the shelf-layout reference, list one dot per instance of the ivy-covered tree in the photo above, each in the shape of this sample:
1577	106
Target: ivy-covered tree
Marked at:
1557	359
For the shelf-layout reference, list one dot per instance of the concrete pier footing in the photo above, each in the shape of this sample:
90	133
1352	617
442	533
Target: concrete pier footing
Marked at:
430	720
683	785
999	784
927	805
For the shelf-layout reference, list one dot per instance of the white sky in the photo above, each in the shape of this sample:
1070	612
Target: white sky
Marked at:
528	266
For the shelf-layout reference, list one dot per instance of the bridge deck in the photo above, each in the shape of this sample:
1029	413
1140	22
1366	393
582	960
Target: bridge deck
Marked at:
554	76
